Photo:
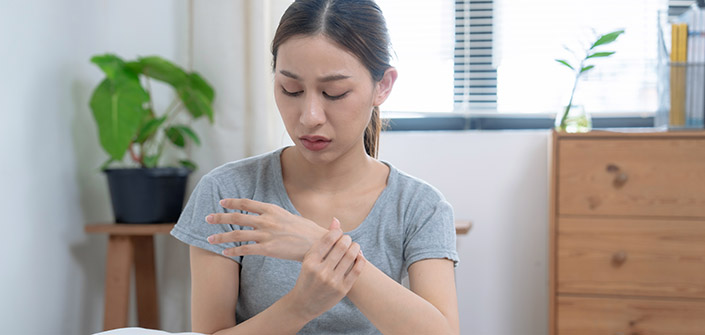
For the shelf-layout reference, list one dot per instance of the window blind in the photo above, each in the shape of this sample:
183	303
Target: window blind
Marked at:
474	75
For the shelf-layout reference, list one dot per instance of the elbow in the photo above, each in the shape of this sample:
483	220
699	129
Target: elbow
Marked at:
452	324
441	325
453	328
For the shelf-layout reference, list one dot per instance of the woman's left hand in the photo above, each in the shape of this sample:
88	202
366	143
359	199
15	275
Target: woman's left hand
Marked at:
276	232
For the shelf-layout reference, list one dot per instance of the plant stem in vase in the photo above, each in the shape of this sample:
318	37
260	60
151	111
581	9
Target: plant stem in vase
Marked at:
582	122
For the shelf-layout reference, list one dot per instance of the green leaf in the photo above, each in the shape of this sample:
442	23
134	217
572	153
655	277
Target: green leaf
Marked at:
185	130
149	128
564	62
200	84
188	164
150	161
607	38
114	68
149	116
118	111
176	137
601	54
196	102
197	96
134	66
587	68
109	63
163	70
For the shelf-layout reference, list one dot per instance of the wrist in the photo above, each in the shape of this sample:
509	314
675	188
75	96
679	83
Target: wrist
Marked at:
296	310
314	234
318	233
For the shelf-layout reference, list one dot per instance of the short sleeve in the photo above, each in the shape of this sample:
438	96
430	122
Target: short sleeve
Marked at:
431	234
192	227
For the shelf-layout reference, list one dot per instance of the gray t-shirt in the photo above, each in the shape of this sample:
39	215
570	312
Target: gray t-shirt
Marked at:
410	221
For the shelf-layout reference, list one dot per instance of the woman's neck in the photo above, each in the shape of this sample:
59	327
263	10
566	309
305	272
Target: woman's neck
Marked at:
345	172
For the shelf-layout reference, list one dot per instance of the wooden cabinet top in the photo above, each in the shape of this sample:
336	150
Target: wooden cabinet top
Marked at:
632	132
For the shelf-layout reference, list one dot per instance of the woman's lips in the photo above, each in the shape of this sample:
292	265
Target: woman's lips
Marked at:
314	143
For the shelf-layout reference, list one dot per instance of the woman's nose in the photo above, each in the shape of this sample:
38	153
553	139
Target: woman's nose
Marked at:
313	113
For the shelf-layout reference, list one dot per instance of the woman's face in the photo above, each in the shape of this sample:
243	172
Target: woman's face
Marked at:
325	96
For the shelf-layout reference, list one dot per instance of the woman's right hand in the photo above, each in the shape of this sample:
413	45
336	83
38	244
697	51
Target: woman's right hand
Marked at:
275	231
328	271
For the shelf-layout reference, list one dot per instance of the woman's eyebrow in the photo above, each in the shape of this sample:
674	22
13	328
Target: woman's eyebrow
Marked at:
289	74
332	77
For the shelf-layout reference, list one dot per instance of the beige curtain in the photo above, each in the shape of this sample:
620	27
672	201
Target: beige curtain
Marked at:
229	45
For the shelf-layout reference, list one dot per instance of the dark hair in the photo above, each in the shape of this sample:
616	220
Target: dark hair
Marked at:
357	26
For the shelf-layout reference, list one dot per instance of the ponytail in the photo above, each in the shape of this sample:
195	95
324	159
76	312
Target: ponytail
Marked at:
372	133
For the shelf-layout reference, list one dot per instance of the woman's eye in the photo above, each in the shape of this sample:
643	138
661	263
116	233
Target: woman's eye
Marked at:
334	97
291	94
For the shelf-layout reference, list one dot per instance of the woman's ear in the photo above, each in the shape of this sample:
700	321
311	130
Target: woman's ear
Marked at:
384	86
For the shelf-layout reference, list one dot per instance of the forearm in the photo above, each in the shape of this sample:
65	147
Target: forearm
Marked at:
280	318
393	308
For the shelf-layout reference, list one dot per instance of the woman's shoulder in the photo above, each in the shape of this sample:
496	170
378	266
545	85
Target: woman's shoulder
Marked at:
417	203
411	188
246	169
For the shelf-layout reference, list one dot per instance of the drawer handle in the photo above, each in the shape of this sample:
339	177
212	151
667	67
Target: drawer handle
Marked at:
619	257
620	177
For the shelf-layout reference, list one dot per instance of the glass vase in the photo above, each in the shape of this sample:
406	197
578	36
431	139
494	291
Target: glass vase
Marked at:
577	120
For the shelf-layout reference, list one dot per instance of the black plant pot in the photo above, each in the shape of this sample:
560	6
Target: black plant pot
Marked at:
143	195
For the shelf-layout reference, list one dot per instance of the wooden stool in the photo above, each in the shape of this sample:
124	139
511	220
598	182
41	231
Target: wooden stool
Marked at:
462	227
130	244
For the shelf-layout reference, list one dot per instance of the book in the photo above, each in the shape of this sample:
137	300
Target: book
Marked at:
690	75
679	40
688	70
699	68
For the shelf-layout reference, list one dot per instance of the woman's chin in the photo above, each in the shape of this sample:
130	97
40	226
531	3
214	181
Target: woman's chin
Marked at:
316	156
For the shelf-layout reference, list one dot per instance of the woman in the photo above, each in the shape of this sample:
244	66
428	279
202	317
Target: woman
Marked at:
316	237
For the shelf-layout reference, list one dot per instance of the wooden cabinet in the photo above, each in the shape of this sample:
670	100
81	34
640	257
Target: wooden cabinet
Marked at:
627	233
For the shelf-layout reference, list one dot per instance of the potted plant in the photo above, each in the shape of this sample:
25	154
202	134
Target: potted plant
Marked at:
145	190
582	122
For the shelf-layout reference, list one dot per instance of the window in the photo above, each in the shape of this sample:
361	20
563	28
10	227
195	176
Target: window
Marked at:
497	56
422	40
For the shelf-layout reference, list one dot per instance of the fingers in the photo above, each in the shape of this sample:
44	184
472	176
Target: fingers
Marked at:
241	219
247	205
235	236
335	224
342	254
337	251
238	236
320	249
234	218
347	259
355	271
243	250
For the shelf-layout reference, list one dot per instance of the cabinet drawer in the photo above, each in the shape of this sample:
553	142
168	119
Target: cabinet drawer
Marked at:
631	257
653	177
589	316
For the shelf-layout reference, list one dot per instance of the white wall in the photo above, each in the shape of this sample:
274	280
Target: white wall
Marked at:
499	181
50	186
52	272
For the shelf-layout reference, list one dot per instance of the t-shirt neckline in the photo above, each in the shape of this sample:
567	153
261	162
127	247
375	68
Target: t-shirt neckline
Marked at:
289	205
